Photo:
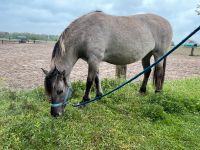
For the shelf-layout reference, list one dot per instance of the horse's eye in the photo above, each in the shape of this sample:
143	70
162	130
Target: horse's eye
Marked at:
59	92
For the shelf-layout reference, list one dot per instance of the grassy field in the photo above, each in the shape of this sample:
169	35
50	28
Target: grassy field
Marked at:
123	120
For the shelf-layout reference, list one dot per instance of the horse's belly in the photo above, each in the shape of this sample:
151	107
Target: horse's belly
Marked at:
128	48
120	60
122	57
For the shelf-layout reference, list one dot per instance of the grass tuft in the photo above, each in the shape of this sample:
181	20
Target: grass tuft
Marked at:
122	120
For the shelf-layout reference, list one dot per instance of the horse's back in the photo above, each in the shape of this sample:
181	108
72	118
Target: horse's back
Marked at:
160	29
122	39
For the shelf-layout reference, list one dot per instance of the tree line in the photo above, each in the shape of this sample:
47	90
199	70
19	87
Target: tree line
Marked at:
29	36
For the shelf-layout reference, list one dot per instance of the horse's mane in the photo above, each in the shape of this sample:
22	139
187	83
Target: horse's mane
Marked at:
59	48
60	45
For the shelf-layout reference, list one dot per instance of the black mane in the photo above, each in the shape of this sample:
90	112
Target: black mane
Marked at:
56	50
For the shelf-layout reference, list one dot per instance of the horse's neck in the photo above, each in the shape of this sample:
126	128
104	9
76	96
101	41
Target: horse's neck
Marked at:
65	62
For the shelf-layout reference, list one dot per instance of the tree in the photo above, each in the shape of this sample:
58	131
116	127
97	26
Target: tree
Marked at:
198	9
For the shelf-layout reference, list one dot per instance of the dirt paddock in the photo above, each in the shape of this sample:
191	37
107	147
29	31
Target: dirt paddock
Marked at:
20	65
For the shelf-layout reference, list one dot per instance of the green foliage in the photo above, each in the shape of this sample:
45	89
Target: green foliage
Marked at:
198	9
153	112
123	120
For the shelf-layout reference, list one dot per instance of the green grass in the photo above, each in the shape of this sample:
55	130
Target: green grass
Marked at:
123	120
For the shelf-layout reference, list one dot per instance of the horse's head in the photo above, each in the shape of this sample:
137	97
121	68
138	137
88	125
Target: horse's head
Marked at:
58	89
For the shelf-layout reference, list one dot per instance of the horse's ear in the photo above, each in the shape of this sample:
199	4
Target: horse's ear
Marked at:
45	71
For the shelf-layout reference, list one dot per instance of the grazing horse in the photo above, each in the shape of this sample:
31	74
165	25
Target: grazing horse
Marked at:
97	37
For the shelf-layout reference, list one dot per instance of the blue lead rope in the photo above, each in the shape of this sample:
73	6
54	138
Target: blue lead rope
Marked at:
139	74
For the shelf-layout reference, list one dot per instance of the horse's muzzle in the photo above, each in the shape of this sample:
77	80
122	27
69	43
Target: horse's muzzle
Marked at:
56	112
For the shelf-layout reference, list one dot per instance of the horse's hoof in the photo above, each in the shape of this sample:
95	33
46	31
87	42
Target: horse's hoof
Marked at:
158	91
142	91
85	99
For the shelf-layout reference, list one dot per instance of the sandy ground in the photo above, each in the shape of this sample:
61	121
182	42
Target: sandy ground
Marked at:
20	65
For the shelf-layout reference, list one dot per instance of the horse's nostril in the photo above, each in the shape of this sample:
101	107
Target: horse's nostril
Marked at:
59	92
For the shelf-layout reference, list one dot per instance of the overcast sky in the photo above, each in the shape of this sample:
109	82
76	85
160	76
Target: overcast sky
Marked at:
53	16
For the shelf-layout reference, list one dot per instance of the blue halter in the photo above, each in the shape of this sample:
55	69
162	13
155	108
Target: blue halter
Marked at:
66	99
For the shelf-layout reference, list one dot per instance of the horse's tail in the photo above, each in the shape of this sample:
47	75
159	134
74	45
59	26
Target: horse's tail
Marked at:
162	75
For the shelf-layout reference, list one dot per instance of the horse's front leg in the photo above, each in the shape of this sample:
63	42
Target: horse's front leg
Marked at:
92	73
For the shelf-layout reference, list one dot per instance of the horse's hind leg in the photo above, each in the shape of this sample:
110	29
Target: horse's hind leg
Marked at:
145	64
98	85
159	74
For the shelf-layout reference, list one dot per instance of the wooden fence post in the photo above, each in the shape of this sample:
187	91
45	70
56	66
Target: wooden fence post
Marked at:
192	51
121	71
